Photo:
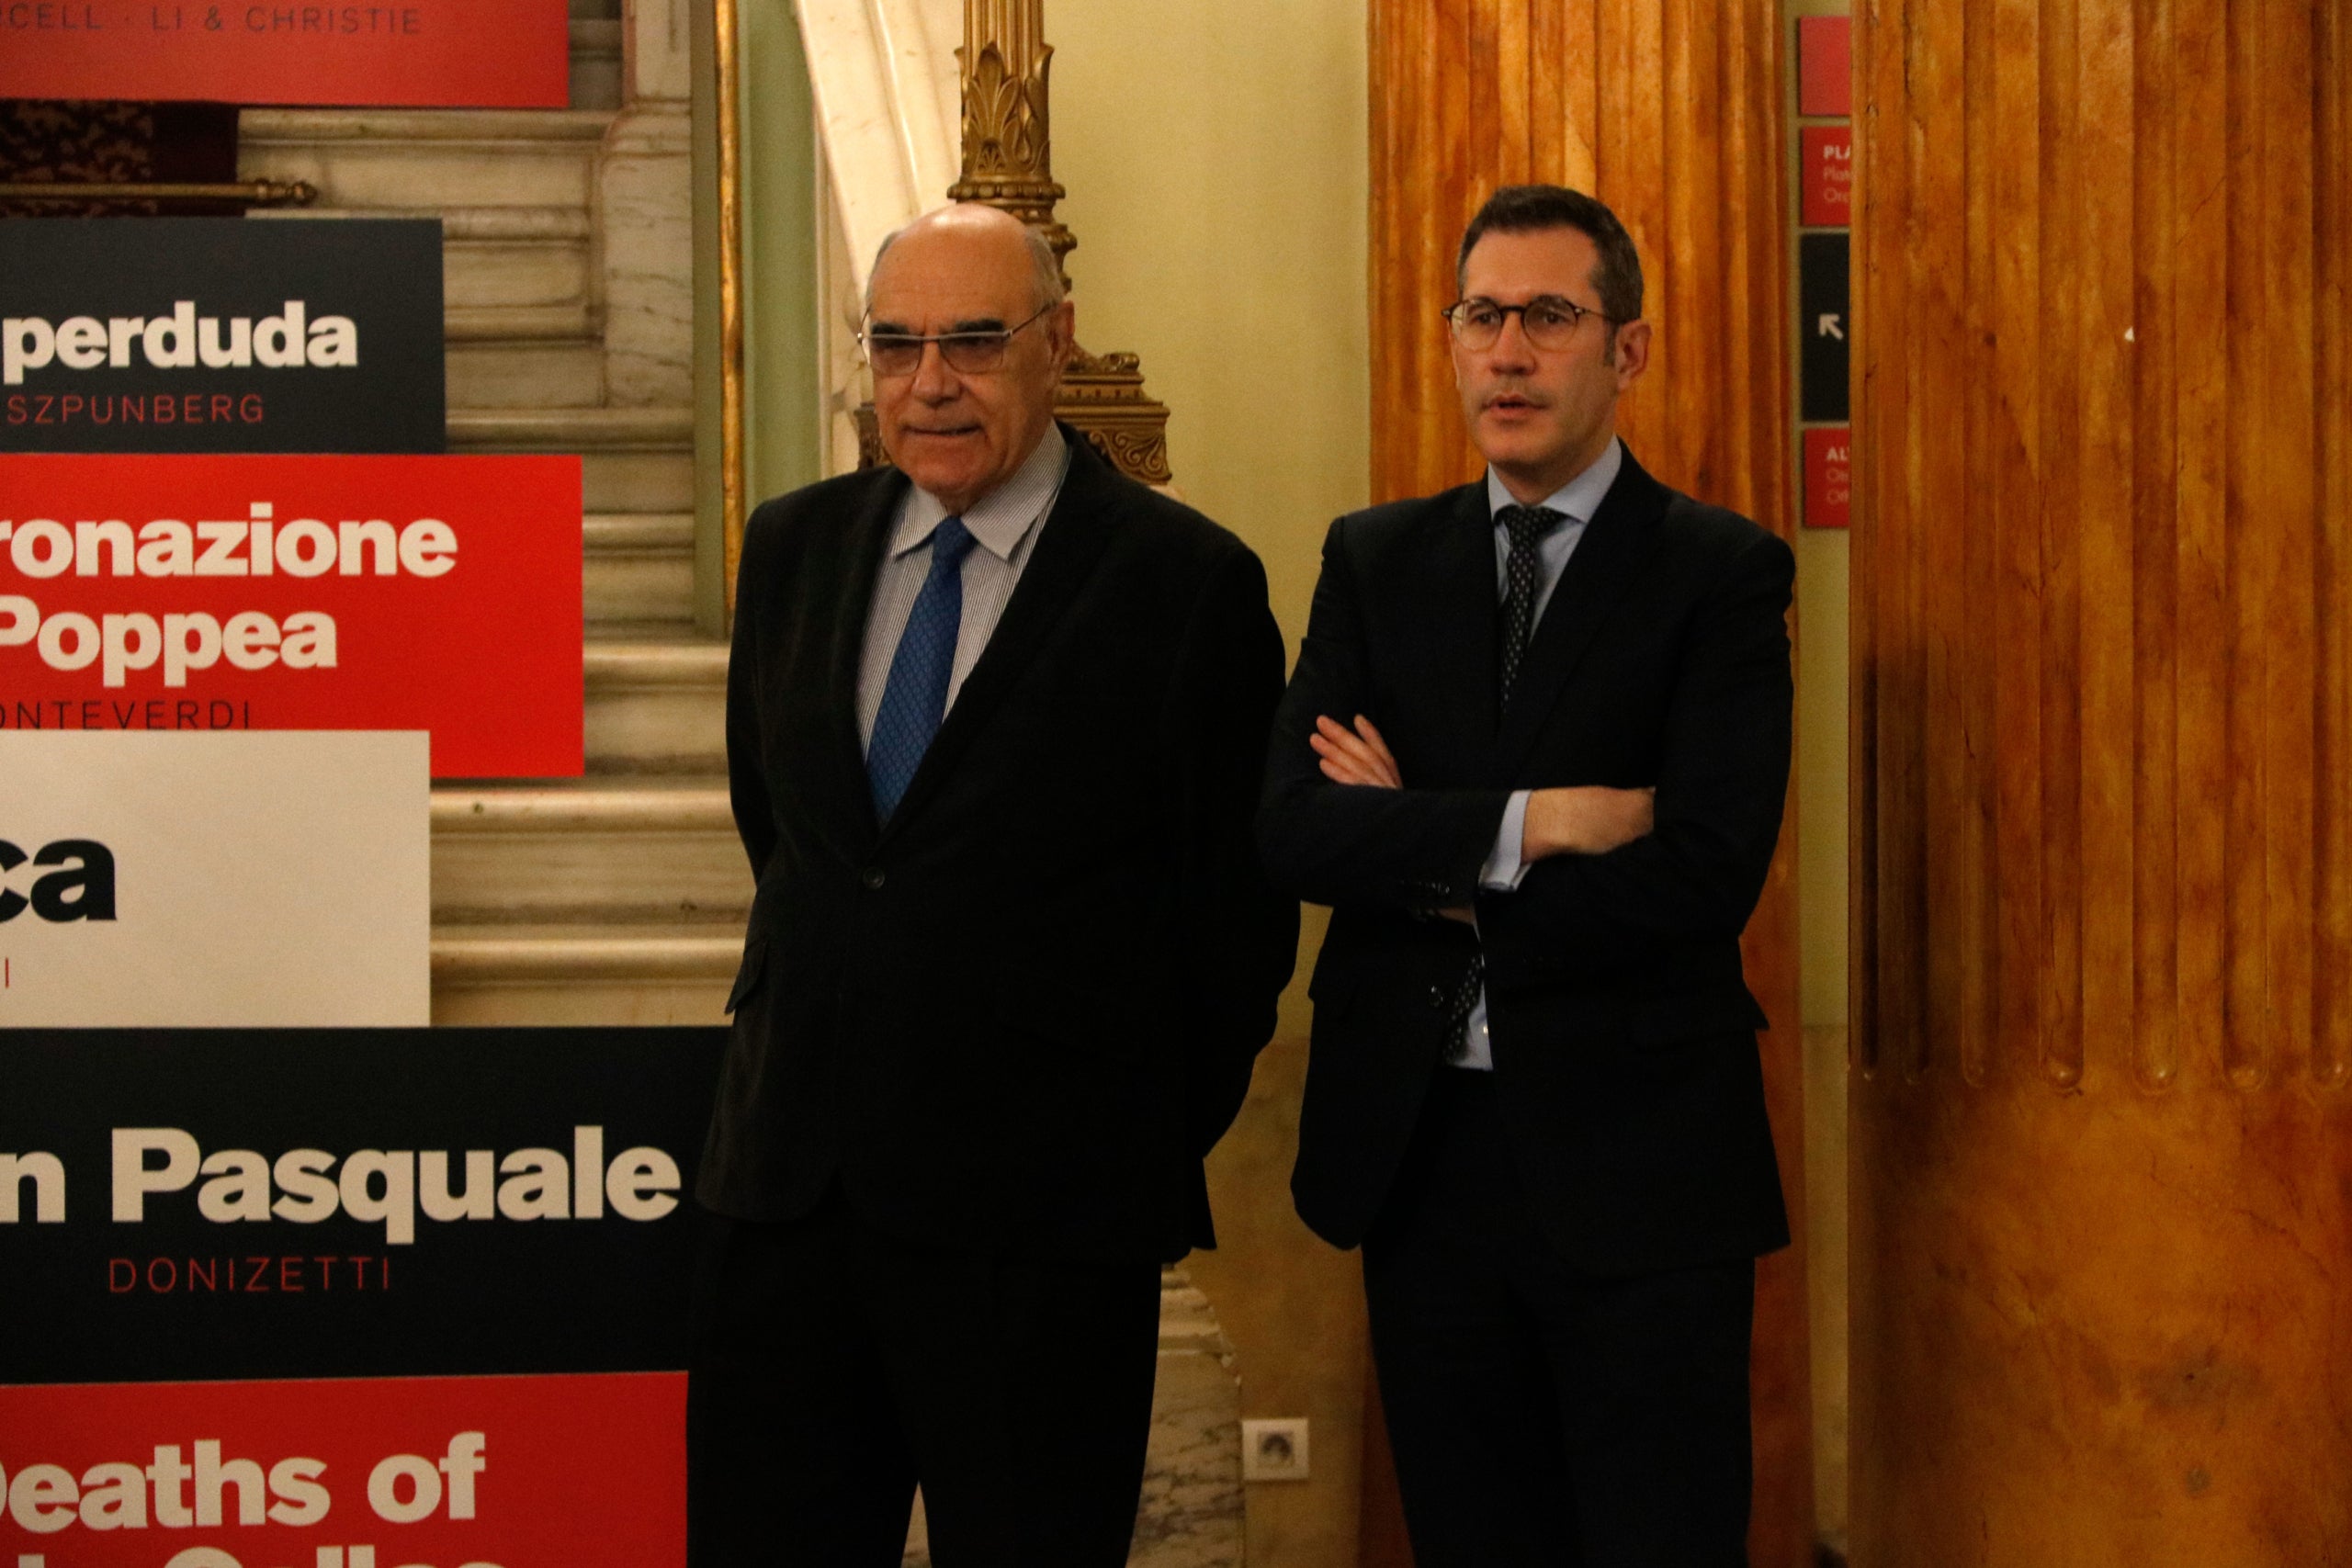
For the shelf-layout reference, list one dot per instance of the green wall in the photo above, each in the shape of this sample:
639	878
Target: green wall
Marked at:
783	413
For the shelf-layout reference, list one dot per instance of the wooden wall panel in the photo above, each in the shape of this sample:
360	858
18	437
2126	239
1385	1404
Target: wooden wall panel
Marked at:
1670	113
1670	110
2102	881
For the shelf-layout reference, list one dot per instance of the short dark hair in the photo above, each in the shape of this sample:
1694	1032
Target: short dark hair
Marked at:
1527	209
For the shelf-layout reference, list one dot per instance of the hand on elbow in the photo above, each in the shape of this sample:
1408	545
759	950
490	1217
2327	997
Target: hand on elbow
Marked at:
1589	820
1358	756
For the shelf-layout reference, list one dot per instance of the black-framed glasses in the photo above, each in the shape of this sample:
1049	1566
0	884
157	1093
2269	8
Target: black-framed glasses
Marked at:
1548	321
966	353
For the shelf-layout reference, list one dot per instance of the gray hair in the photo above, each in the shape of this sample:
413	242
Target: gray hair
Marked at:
1045	267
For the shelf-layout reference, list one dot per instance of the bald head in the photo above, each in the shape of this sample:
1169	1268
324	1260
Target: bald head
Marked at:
989	231
965	282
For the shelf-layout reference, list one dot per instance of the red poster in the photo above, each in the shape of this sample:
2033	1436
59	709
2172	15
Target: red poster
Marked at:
365	1472
1826	152
1825	66
1828	477
400	53
299	593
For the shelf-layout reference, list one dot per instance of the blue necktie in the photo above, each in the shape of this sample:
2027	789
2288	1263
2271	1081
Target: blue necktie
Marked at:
915	697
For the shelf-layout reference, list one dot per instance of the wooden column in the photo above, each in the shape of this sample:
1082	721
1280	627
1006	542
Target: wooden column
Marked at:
2102	1140
1670	110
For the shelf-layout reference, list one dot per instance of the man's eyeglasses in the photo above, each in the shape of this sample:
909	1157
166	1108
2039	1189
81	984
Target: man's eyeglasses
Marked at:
1548	321
966	353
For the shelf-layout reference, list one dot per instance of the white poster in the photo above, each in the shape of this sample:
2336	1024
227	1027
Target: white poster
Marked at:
243	879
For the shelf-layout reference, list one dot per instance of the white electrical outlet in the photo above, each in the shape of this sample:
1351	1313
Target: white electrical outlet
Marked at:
1274	1448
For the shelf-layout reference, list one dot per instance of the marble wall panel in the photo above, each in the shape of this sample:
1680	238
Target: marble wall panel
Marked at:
659	50
646	206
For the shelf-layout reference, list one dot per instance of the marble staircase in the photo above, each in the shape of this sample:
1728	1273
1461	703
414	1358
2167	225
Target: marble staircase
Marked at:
617	898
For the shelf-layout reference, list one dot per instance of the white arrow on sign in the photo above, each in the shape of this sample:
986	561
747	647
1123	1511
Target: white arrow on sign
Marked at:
1829	326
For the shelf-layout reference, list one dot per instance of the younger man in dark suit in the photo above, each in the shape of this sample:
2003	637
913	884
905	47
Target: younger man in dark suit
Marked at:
996	717
1533	755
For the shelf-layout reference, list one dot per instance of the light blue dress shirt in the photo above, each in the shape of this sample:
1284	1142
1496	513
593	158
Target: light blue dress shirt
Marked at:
1576	500
1003	523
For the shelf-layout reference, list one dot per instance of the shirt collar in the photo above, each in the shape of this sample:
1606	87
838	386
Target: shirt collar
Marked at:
1579	498
1000	519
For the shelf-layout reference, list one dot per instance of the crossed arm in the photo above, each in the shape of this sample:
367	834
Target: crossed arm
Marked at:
1608	876
1585	820
1382	844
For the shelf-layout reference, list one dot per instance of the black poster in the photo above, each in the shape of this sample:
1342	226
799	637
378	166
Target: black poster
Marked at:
220	1205
221	335
1824	325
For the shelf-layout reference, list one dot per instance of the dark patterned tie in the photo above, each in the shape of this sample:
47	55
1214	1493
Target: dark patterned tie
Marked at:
914	698
1523	575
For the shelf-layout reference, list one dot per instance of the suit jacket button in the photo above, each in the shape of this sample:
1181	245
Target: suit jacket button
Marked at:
872	877
1437	996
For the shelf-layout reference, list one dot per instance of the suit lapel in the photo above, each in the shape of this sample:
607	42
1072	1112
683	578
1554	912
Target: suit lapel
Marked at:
1458	651
1607	558
1069	541
867	539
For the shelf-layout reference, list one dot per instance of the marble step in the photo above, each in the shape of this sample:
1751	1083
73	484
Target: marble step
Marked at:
494	257
521	356
635	459
575	974
637	567
459	224
562	322
524	373
591	851
572	430
656	706
498	260
435	159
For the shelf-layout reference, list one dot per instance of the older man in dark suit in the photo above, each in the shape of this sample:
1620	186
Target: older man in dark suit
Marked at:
996	716
1534	756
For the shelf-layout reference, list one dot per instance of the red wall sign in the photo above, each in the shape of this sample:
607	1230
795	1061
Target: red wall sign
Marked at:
413	54
299	593
1825	66
1826	153
353	1473
1828	477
